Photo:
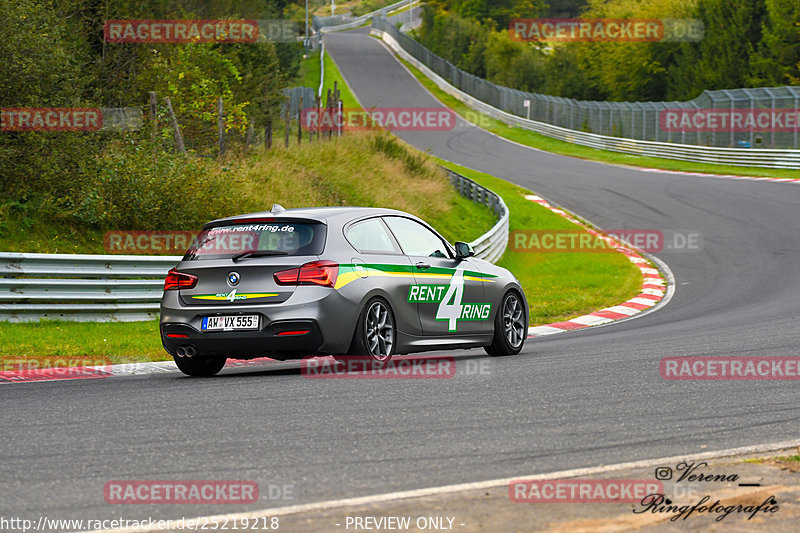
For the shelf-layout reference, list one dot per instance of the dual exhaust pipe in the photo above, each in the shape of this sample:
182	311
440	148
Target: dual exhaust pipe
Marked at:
186	351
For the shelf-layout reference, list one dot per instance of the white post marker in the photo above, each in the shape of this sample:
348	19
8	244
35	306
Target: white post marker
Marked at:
339	125
527	105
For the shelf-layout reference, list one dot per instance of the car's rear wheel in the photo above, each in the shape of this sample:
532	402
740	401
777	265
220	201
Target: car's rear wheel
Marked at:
510	327
375	334
198	366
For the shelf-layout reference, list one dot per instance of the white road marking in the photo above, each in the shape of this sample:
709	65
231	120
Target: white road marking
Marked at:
479	485
544	330
591	320
622	310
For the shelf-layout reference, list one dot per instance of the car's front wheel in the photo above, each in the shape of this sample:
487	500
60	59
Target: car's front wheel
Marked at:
198	366
510	327
375	334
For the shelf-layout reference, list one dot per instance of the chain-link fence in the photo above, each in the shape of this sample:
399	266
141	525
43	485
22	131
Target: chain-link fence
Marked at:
735	118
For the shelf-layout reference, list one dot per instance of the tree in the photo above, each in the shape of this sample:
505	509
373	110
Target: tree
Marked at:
778	54
41	67
722	60
627	71
565	77
514	64
565	8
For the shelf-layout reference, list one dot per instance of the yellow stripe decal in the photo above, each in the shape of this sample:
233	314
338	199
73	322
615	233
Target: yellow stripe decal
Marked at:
246	296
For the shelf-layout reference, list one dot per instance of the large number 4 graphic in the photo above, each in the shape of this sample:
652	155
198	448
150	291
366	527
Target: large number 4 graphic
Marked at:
455	292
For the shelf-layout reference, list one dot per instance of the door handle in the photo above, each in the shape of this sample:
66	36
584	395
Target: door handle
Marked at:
423	266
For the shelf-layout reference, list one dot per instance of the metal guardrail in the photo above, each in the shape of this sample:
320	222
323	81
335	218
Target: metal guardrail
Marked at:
492	244
103	288
756	157
337	24
81	287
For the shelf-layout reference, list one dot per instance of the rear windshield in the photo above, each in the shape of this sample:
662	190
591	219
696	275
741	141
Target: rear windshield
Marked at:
293	238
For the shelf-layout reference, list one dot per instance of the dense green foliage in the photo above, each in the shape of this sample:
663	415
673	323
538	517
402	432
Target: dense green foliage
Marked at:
55	55
747	43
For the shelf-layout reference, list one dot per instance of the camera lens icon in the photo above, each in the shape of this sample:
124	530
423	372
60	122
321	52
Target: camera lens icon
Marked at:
663	473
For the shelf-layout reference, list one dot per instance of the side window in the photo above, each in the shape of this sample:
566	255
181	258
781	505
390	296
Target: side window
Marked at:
416	239
371	236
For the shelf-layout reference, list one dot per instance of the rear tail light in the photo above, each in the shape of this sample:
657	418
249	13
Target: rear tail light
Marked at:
314	273
178	280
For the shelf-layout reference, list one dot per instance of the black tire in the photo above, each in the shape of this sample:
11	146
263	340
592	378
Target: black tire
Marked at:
376	334
201	367
510	326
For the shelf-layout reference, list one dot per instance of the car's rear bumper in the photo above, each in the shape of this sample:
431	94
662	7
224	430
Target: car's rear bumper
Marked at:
323	314
289	338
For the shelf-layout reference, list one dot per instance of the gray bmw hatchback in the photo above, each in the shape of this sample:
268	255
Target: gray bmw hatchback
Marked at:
333	281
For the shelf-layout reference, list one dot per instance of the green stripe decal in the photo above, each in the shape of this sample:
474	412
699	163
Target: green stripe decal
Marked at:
351	272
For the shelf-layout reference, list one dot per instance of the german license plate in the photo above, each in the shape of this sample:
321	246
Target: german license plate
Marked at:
229	323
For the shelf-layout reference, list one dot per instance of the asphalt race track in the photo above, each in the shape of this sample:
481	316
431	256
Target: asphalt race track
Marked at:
571	400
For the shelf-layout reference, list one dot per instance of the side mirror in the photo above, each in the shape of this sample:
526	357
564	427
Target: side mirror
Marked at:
463	250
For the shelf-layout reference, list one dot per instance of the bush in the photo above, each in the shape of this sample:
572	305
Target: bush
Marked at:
136	187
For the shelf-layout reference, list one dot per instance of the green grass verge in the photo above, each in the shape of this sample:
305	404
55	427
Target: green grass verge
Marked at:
309	77
542	142
332	75
558	286
84	343
309	72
